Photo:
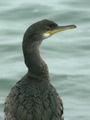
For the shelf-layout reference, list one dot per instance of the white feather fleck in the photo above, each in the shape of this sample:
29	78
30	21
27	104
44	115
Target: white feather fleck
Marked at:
46	35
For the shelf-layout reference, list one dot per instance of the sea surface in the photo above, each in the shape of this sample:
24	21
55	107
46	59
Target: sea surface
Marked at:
67	53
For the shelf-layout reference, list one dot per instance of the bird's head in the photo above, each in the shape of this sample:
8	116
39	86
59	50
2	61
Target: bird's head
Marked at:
44	29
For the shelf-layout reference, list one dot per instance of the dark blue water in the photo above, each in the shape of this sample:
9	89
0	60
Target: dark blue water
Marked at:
67	53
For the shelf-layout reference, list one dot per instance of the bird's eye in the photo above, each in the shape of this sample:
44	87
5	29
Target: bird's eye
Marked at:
48	28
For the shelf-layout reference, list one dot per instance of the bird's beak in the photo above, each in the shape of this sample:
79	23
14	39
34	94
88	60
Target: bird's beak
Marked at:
60	28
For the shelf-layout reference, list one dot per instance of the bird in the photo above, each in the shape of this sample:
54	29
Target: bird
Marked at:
33	97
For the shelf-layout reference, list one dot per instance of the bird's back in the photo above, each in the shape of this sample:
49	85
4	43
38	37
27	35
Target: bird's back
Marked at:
30	99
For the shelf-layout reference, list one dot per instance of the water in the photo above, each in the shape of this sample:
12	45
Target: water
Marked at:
67	53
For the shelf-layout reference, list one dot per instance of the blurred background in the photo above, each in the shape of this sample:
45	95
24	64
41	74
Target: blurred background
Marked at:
67	53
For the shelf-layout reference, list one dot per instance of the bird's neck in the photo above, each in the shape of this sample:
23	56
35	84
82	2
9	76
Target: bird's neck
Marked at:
36	66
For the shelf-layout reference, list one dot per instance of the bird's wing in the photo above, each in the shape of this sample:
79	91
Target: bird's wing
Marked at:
58	111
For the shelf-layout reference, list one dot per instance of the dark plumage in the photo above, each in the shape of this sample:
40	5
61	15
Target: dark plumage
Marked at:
33	97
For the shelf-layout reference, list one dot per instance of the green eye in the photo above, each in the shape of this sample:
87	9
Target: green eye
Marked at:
48	28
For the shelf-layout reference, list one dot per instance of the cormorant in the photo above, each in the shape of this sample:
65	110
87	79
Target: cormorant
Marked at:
33	97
